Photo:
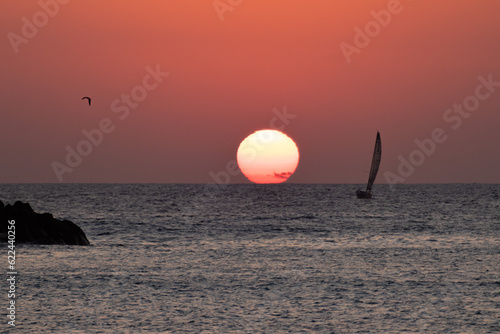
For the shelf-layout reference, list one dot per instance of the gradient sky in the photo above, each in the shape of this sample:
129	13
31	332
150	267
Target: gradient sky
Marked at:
228	78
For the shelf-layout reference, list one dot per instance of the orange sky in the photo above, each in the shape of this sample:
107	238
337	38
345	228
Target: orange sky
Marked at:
227	78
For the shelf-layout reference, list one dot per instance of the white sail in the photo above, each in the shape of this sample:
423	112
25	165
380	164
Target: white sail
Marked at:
377	154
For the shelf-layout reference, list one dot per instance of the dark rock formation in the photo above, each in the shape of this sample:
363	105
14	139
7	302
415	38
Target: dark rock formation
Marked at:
39	228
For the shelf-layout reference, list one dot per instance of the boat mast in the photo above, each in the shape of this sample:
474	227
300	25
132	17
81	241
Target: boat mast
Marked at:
377	154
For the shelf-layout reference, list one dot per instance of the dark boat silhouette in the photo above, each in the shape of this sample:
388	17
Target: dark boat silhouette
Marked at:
377	154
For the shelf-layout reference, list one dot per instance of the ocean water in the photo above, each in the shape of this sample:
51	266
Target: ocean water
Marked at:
286	258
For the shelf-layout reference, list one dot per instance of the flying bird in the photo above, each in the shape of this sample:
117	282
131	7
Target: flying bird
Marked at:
88	98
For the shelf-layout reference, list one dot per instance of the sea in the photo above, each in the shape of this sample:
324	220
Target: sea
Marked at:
247	258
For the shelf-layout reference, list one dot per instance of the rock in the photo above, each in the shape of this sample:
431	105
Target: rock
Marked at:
32	227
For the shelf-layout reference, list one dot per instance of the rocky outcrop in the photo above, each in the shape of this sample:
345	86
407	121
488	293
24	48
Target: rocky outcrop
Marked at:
39	228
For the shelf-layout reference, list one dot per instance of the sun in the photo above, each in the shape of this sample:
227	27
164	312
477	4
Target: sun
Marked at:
267	156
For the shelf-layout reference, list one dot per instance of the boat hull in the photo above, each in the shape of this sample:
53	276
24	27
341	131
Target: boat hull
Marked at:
363	194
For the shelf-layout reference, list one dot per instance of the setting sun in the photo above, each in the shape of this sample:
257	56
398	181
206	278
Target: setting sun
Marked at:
267	156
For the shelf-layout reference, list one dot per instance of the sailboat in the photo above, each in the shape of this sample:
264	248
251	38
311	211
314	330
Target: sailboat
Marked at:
377	154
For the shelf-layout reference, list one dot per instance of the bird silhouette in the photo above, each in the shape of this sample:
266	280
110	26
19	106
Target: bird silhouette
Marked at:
88	98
